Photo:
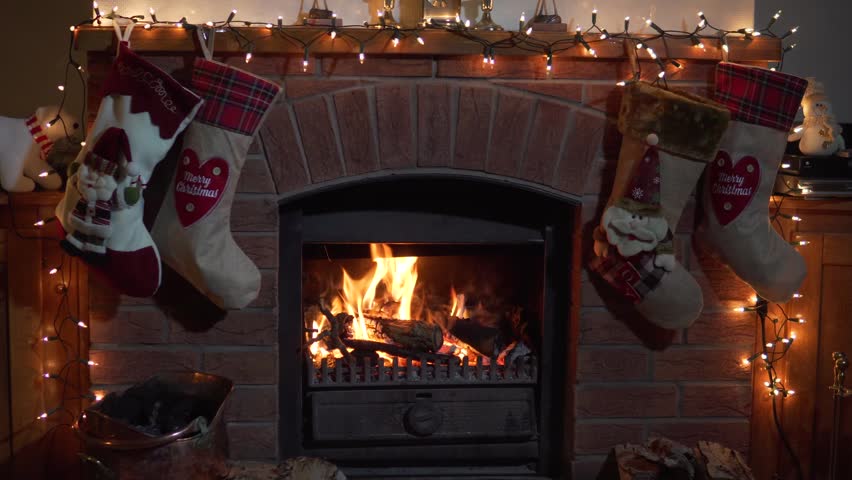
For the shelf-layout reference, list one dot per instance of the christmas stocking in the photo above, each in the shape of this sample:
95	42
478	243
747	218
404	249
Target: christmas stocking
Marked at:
193	226
739	181
668	138
150	109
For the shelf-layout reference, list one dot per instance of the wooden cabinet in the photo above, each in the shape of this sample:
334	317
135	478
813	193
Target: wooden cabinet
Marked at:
35	307
807	418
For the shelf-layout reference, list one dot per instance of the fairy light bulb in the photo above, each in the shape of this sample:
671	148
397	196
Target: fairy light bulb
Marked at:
769	344
38	223
626	23
661	74
179	25
640	46
594	16
798	295
42	416
420	40
764	356
231	15
621	83
792	335
248	57
529	31
53	271
740	309
549	67
333	34
651	53
209	23
147	26
81	324
604	34
746	362
96	9
395	42
72	28
361	58
115	9
467	23
791	392
43	174
702	22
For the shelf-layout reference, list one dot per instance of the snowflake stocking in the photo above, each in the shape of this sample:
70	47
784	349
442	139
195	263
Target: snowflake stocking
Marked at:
141	113
668	138
739	181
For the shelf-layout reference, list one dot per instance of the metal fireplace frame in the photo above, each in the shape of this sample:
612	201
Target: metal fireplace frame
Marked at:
473	211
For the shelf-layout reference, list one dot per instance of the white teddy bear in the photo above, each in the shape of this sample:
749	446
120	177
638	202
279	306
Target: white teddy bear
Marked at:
26	143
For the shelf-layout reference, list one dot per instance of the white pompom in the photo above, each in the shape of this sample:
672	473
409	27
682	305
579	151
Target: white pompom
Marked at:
133	169
652	139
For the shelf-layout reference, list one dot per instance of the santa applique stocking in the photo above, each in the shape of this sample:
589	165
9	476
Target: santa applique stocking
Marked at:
151	108
193	226
668	138
96	181
740	179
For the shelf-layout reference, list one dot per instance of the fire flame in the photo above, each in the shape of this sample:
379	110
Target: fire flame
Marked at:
387	289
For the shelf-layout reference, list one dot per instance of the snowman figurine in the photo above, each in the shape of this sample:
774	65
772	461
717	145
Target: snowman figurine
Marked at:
819	134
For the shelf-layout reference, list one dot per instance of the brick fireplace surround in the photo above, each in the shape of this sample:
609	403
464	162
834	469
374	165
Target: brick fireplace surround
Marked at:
343	121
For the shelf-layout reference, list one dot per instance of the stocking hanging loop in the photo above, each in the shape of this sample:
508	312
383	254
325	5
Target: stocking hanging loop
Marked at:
206	40
123	36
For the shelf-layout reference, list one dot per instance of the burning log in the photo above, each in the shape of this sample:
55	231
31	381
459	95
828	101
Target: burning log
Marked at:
390	349
415	335
486	340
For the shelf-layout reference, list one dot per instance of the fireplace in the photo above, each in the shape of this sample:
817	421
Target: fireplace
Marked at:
429	326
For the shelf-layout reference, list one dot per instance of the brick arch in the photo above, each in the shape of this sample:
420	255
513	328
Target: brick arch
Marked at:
326	131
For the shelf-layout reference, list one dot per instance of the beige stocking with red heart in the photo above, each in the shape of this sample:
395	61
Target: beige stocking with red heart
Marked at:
740	180
193	226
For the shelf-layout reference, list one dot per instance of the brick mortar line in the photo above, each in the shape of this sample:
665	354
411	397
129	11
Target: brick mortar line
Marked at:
414	114
528	132
180	348
455	100
740	420
570	124
373	110
495	104
152	307
685	383
677	347
331	108
297	135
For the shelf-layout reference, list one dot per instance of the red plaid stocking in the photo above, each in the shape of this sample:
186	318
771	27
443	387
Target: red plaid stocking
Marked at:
739	181
193	227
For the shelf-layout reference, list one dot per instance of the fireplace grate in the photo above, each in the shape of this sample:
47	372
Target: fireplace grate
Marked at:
520	371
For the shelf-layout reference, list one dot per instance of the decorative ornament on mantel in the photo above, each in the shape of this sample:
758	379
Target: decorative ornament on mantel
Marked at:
486	23
819	134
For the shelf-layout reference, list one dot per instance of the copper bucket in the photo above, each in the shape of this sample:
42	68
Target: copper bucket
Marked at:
116	450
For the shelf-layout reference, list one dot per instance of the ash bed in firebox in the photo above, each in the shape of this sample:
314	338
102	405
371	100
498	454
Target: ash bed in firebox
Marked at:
428	335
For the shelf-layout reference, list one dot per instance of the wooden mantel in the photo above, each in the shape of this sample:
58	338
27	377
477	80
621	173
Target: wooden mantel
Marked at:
437	42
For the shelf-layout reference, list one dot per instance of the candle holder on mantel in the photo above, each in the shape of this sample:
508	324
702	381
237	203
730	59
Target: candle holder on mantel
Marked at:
486	23
441	13
387	19
544	21
322	16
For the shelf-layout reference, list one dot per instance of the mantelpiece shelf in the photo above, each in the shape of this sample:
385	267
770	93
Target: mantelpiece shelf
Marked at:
437	42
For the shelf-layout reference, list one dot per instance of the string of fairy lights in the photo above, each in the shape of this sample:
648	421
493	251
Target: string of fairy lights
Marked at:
774	348
777	336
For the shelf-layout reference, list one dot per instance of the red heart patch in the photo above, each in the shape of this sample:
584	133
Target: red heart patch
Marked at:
732	186
198	187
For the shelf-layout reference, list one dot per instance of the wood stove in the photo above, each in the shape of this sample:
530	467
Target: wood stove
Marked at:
424	327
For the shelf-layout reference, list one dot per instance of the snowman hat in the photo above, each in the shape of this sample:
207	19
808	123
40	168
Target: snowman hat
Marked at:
642	195
105	155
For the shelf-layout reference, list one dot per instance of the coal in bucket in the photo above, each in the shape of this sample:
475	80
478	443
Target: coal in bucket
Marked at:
169	426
